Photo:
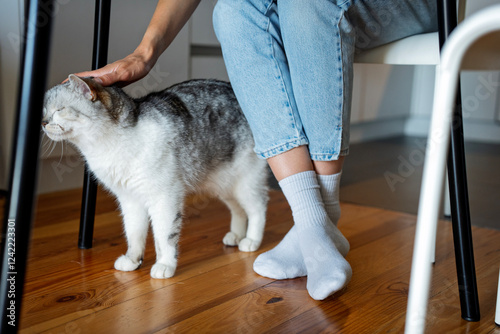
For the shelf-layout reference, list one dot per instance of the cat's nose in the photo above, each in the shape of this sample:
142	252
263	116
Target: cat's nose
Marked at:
44	123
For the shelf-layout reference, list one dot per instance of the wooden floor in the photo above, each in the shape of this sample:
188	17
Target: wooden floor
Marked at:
387	173
69	290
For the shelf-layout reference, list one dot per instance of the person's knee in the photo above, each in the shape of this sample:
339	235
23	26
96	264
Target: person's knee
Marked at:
234	19
224	18
309	11
312	21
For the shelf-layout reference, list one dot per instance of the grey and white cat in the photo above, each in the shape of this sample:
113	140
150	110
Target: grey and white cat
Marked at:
153	151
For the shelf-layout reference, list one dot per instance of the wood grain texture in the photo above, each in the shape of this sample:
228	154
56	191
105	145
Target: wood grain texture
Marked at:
215	290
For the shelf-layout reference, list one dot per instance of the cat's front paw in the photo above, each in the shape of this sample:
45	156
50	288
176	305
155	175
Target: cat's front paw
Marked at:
248	245
231	239
124	263
160	270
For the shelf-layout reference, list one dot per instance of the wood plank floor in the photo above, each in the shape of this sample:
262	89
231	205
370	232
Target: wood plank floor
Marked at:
214	290
387	173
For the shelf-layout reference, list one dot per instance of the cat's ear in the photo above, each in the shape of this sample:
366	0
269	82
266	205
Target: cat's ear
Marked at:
82	87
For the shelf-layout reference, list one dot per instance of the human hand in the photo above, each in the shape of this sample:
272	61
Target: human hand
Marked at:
121	72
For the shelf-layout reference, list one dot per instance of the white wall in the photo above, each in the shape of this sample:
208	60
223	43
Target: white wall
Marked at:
480	104
9	65
381	101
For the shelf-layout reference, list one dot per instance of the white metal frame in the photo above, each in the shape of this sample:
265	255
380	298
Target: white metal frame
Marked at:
456	55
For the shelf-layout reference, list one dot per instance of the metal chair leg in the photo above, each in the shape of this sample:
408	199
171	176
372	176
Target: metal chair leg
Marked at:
23	179
99	59
462	233
460	215
87	212
497	313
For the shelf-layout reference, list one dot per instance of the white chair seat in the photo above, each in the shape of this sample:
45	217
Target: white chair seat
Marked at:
425	51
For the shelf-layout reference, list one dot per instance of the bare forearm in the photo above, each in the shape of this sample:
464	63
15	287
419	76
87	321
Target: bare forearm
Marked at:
168	19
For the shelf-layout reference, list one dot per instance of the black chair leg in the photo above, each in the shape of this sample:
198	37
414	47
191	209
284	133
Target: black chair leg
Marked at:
23	178
462	232
99	59
457	176
87	213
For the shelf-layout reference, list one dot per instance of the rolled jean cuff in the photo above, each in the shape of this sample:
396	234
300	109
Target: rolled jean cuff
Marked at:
329	156
282	148
276	150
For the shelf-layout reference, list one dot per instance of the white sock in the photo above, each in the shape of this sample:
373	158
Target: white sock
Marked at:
285	260
329	188
327	270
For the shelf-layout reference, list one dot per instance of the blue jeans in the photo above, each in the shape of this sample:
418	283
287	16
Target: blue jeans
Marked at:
290	63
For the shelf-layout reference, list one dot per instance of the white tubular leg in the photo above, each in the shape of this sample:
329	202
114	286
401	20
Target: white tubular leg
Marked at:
497	314
430	203
446	199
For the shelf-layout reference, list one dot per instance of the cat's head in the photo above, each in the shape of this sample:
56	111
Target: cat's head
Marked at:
82	107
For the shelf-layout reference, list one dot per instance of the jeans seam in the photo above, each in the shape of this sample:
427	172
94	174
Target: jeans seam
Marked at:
281	81
343	3
268	8
342	146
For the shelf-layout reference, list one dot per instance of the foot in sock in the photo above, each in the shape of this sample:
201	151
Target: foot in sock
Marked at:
286	261
327	270
283	261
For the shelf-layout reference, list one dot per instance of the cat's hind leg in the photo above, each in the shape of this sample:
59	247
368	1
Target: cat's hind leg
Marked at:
252	194
135	223
238	229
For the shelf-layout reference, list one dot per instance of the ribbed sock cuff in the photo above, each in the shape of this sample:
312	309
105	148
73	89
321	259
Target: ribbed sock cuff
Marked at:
303	194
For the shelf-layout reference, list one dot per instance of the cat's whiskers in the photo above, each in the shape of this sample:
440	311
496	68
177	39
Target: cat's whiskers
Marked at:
43	143
47	145
53	148
62	152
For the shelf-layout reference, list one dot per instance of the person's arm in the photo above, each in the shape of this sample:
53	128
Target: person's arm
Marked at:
168	19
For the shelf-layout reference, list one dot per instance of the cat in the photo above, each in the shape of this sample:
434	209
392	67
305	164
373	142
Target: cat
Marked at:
153	151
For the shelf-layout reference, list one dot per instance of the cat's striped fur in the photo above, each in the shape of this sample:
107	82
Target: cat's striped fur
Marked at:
153	151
